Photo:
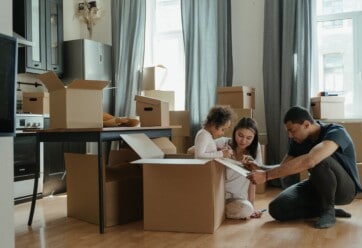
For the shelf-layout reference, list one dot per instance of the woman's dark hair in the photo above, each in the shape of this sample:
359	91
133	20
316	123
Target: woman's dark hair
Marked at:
298	114
218	116
247	123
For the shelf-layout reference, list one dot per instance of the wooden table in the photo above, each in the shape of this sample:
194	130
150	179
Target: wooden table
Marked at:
98	135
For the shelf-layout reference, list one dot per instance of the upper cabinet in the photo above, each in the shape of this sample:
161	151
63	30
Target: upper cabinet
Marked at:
41	22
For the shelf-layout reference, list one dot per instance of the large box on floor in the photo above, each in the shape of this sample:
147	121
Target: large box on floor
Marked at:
327	107
78	105
236	96
36	102
152	112
122	196
184	195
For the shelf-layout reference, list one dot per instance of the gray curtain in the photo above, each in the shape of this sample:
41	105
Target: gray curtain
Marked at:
128	38
208	59
286	67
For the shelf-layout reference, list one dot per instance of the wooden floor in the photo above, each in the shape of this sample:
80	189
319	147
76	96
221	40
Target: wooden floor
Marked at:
51	228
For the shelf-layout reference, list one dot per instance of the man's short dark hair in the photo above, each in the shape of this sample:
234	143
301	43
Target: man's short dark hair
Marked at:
298	114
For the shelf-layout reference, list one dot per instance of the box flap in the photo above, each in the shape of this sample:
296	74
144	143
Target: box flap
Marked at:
234	165
142	145
147	100
51	81
88	84
172	161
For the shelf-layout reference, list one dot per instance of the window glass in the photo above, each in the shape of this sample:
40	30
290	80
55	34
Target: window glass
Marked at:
337	59
164	46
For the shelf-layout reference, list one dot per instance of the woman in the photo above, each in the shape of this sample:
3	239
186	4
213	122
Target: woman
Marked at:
240	193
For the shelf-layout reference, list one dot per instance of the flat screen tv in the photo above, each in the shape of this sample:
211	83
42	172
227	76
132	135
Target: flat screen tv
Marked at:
8	71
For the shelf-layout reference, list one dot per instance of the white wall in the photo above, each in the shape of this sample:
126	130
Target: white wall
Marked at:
247	34
7	237
75	29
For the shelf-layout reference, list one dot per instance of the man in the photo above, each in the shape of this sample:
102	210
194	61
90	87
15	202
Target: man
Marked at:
327	152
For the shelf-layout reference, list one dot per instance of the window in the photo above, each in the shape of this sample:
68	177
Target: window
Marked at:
338	57
164	46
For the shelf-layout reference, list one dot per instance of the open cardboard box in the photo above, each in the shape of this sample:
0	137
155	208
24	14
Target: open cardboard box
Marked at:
179	194
78	105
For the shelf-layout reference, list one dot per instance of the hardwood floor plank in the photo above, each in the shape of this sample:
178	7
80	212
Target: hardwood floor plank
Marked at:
51	228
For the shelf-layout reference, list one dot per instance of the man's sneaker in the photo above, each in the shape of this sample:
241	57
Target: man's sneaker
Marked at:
326	220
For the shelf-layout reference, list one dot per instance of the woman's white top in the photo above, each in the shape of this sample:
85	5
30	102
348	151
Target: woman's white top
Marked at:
236	185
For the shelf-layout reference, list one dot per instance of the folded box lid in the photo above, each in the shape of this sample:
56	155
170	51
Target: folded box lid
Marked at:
148	100
142	145
53	83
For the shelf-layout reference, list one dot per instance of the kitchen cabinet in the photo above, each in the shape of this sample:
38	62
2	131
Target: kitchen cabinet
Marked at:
41	22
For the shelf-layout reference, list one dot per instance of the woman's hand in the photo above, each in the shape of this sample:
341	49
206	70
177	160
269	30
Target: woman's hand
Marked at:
251	165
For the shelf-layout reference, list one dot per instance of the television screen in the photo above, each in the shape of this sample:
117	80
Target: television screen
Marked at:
8	71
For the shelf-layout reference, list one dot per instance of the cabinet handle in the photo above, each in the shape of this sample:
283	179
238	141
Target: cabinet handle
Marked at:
55	68
36	65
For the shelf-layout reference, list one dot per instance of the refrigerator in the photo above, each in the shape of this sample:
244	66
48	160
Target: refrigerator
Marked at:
89	60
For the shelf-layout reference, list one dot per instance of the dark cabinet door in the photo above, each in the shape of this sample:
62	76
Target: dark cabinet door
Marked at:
35	32
41	22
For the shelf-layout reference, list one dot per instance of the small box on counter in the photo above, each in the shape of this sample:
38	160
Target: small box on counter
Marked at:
36	102
327	107
77	105
236	97
152	112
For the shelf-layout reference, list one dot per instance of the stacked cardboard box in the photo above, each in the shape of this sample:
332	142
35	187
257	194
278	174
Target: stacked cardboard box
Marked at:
152	112
327	107
36	102
181	135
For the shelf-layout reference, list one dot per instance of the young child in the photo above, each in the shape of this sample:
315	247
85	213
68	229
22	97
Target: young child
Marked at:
240	193
209	142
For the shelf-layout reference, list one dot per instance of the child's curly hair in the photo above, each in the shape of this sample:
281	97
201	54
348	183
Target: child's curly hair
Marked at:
219	115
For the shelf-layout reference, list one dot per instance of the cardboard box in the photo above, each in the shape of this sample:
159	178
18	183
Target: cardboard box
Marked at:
152	77
165	145
180	118
182	143
236	96
355	131
327	107
163	95
122	184
184	195
239	113
152	112
359	167
36	102
78	105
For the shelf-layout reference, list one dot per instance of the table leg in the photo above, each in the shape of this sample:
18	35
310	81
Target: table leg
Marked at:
100	187
36	181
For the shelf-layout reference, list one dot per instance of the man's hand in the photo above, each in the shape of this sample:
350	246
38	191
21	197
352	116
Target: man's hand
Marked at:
257	176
